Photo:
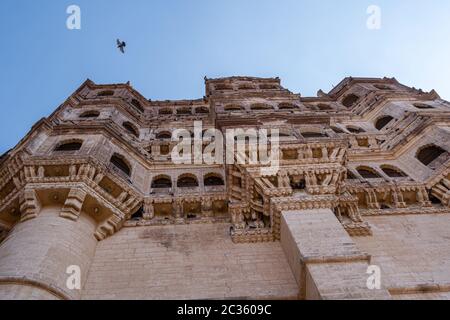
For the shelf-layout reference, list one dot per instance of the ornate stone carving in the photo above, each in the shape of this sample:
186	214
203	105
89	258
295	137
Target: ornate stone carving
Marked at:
149	210
73	205
29	204
312	175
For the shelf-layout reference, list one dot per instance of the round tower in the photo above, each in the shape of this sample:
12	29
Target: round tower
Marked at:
55	223
37	255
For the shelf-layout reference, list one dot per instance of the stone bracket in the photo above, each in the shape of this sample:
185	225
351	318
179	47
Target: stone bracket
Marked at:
108	228
74	202
29	205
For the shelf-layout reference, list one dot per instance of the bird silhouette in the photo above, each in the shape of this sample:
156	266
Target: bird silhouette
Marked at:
121	45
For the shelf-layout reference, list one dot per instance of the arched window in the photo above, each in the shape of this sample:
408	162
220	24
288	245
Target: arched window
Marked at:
324	107
69	146
105	93
165	111
354	129
350	100
261	106
429	154
368	173
202	110
90	114
137	105
213	179
233	107
187	181
383	122
184	111
313	135
131	129
423	106
165	135
119	162
162	182
286	106
393	172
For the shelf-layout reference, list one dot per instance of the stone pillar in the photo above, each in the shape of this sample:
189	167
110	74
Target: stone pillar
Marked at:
36	254
324	259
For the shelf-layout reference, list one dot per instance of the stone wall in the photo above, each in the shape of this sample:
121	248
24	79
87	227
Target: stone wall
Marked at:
187	262
326	262
413	253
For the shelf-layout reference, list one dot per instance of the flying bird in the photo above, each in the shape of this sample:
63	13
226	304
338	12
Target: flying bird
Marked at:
121	45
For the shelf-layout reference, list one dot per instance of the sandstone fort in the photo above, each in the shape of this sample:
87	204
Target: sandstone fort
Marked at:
362	183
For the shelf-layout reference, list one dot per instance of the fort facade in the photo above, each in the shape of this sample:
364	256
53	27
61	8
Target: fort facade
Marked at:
361	182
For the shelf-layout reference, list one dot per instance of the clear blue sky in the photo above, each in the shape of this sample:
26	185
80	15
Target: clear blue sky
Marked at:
172	45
